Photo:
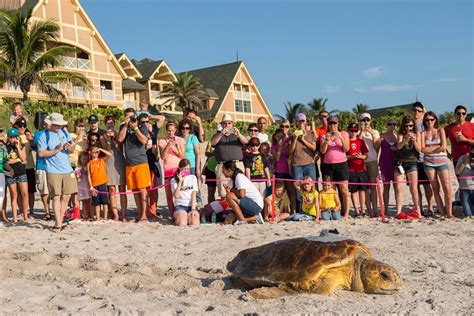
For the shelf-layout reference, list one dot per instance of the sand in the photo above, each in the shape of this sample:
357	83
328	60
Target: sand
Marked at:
157	268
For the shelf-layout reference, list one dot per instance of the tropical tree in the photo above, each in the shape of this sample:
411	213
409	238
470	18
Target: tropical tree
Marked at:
360	108
447	118
186	92
27	59
291	110
317	105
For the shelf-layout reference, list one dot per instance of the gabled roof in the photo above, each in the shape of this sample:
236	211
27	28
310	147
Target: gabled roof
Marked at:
147	67
218	78
383	111
123	56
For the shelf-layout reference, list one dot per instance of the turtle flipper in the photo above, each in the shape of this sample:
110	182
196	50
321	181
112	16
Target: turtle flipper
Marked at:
269	292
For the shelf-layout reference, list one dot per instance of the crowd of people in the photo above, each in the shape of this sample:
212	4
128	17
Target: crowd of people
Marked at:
321	168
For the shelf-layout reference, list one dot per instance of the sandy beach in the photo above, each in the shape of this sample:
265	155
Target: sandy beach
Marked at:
157	268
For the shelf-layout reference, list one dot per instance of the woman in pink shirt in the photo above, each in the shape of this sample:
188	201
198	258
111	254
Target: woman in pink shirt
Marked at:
334	146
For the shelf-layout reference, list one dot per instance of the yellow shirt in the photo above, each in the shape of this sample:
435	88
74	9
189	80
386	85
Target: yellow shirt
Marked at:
328	199
309	200
80	146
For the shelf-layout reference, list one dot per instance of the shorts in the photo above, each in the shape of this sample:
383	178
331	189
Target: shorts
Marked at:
31	176
442	167
248	207
138	176
261	186
337	171
407	166
16	179
61	183
182	208
41	182
329	214
372	169
357	177
210	176
100	198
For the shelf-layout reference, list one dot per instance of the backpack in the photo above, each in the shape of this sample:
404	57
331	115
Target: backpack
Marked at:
66	135
72	214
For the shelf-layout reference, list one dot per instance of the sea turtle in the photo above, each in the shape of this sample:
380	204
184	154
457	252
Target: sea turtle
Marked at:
312	264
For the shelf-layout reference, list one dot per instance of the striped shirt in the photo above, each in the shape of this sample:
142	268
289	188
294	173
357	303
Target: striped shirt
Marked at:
434	159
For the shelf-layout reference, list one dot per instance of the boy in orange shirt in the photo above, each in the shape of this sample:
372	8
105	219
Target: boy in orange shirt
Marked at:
98	180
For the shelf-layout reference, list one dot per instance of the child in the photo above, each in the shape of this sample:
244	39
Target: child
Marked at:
329	202
184	187
356	155
270	161
17	112
465	170
309	197
281	205
83	185
98	179
256	167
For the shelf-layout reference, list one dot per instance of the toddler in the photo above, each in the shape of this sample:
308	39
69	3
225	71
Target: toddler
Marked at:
83	185
329	202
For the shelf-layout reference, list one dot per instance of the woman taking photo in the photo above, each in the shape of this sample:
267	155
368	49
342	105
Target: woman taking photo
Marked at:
172	151
334	146
408	147
388	149
435	160
191	144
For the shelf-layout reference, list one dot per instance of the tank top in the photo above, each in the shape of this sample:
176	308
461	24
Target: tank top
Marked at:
407	153
434	159
328	199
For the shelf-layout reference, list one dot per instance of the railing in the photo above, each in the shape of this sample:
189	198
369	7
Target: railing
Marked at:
155	94
237	95
107	94
77	63
13	88
246	96
80	92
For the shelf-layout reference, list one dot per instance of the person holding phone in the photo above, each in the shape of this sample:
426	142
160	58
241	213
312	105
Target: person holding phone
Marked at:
184	187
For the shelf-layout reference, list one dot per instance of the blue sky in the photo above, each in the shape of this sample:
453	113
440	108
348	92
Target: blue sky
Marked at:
376	52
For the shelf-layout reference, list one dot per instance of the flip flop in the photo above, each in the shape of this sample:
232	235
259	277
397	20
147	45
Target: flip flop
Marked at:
47	217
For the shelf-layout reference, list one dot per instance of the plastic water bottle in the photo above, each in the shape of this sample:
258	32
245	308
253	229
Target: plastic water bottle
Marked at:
214	218
203	219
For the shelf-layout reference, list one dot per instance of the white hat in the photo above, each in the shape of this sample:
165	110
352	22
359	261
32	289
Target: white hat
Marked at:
364	115
55	119
226	118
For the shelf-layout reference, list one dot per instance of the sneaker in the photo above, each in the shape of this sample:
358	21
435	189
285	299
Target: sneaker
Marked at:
240	223
259	219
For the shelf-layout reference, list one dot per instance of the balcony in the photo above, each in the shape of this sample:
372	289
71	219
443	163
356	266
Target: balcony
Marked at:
76	63
155	94
80	92
237	95
246	96
107	94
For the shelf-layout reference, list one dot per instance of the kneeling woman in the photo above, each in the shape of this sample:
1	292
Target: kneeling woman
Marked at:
184	187
244	197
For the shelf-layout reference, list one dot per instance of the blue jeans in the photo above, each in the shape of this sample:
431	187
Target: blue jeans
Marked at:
329	213
299	173
249	207
467	200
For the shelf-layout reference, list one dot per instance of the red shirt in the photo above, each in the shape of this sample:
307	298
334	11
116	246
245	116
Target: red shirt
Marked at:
460	148
357	146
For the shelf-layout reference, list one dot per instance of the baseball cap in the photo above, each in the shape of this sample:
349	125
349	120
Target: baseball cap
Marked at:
364	116
20	121
12	132
93	118
254	141
300	117
353	127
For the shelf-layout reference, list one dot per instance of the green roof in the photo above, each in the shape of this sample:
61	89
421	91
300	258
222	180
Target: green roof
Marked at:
146	67
132	85
383	111
218	79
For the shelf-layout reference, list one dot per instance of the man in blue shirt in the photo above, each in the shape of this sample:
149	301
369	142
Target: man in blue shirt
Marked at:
55	144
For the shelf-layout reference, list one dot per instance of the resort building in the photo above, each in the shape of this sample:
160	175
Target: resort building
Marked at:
92	57
231	90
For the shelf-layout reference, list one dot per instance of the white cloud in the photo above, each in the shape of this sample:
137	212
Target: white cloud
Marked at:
447	79
360	90
331	89
372	72
392	87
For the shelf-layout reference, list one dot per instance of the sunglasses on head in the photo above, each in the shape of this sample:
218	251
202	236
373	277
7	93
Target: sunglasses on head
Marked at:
460	113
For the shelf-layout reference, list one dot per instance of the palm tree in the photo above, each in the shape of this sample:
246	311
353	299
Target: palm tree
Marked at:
26	59
317	105
360	108
291	110
186	92
447	118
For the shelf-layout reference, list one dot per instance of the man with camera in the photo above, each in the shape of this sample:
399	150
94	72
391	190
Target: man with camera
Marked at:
134	137
55	145
228	145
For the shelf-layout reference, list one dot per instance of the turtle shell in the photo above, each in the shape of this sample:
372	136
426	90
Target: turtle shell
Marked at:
296	260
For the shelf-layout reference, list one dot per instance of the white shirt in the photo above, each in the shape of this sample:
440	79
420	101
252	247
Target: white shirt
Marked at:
251	191
263	138
367	137
189	186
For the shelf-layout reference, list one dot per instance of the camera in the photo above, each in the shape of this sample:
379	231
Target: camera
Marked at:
229	130
299	132
133	119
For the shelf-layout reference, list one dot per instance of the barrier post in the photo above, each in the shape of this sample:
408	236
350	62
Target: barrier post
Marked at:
379	193
273	199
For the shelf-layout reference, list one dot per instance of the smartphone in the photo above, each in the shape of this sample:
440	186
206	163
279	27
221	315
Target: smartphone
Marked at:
229	130
185	173
299	132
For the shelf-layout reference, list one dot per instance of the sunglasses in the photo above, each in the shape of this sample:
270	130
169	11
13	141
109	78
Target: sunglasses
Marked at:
253	130
353	130
20	125
391	124
460	113
430	120
409	125
323	117
186	128
332	123
145	121
284	126
254	145
365	120
416	110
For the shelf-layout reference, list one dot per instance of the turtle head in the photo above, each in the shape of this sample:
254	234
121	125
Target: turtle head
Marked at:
377	277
